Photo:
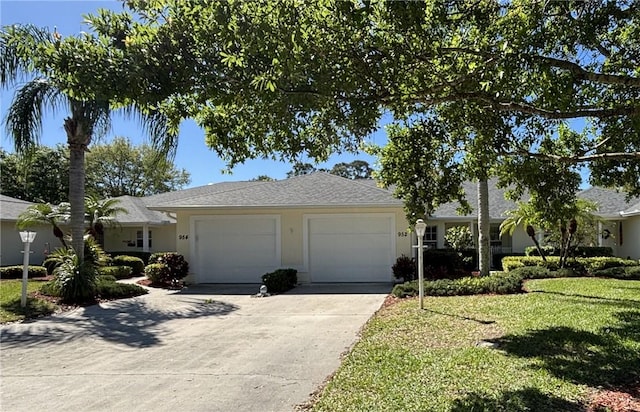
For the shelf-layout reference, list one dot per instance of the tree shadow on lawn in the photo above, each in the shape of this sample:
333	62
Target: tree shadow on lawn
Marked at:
131	322
528	399
583	357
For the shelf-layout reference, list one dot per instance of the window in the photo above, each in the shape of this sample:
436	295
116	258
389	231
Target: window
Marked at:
431	237
494	235
140	240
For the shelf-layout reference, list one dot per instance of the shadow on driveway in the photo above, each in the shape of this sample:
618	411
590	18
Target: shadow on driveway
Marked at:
131	322
304	289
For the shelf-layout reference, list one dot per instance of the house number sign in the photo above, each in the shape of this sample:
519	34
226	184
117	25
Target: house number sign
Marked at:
183	237
403	234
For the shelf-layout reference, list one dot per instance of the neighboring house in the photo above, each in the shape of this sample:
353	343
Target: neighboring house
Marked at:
621	229
140	229
11	247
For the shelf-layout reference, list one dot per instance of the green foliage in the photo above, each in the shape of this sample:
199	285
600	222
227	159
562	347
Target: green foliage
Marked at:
118	272
358	169
444	264
108	288
422	168
136	264
135	253
45	214
41	175
500	283
158	273
588	266
458	238
178	266
74	281
547	250
118	168
15	272
405	268
593	251
280	280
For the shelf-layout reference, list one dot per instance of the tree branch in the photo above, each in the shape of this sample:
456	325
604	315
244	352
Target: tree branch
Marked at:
576	159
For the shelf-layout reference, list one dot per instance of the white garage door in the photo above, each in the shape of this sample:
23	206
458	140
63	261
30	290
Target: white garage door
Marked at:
235	249
351	248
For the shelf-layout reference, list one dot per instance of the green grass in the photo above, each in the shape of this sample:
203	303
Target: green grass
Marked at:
555	344
10	294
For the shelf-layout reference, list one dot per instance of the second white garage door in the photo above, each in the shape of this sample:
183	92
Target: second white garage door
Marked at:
235	249
350	248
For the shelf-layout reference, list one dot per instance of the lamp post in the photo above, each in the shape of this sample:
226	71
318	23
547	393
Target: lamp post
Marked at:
27	238
420	229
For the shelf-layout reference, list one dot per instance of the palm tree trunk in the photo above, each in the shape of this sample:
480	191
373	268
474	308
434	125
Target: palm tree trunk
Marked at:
76	197
484	255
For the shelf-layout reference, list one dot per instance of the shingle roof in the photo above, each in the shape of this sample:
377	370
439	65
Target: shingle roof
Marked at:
138	213
610	201
498	205
10	208
316	189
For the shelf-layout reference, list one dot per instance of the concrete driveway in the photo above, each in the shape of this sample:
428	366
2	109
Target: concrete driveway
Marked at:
206	348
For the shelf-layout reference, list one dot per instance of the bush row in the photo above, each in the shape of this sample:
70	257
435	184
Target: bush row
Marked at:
118	272
499	283
582	266
580	251
280	280
15	272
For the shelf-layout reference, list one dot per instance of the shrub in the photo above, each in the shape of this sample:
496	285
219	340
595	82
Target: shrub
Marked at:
619	272
135	253
593	251
547	250
118	272
404	268
73	281
443	264
280	280
15	272
108	288
175	262
533	272
501	283
158	273
136	264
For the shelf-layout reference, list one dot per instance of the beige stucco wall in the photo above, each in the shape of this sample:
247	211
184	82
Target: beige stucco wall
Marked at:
163	238
630	238
291	221
11	246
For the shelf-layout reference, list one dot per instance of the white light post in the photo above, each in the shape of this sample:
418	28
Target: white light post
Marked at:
420	229
27	237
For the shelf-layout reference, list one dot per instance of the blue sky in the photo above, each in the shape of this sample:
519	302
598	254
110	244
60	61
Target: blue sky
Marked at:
193	155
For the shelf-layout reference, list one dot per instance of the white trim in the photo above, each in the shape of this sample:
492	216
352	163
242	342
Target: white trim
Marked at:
199	218
305	231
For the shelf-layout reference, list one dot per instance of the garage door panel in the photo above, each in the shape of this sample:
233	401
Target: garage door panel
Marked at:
237	249
352	248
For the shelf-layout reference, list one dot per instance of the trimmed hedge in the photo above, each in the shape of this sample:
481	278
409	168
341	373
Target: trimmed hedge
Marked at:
584	266
108	288
135	263
15	272
135	253
580	251
499	283
280	280
118	272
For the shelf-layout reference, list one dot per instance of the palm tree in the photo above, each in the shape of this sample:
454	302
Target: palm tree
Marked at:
45	214
28	52
522	215
101	212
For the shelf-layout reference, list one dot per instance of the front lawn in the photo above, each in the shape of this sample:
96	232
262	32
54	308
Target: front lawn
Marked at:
10	309
553	347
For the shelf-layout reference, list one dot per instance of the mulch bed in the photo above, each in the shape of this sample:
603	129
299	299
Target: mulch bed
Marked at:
621	400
